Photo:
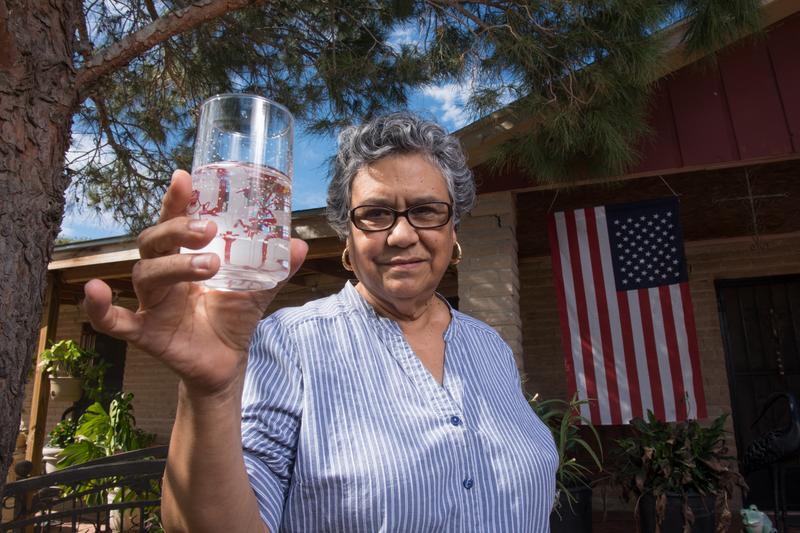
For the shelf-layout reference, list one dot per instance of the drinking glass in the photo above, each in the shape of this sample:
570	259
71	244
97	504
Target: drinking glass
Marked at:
241	179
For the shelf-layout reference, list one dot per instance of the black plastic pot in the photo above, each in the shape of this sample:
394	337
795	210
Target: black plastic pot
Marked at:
702	507
577	519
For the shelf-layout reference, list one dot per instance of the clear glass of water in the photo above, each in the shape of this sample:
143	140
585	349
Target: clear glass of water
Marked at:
241	179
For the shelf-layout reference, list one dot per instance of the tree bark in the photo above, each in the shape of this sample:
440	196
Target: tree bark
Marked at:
40	91
37	101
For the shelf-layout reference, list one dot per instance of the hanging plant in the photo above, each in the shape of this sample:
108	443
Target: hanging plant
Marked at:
66	358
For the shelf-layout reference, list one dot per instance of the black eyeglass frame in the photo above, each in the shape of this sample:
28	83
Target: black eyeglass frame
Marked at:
397	214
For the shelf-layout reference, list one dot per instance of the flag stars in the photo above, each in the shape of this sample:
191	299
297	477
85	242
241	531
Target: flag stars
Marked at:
644	243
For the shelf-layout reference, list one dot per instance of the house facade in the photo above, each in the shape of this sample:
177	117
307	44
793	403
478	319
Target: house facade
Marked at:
726	142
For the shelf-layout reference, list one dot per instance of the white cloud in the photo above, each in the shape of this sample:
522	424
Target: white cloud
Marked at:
404	35
450	100
80	220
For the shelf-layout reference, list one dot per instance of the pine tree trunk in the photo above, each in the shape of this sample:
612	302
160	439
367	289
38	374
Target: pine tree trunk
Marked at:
37	100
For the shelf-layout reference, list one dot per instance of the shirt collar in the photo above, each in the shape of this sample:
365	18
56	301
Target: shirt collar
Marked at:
355	301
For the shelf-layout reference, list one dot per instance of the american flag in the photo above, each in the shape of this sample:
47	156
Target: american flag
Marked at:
626	315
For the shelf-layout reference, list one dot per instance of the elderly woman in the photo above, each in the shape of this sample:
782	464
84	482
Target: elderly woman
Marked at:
379	408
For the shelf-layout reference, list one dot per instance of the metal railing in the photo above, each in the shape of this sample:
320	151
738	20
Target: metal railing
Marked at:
118	493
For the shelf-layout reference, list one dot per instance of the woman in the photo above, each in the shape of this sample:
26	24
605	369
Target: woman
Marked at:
377	409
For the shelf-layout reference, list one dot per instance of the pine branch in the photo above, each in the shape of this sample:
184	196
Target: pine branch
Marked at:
119	54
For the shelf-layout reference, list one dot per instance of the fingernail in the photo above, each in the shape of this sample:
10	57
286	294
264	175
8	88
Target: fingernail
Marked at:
201	262
198	225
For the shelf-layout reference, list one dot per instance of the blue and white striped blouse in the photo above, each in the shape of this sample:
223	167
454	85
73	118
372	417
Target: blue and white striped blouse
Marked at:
344	429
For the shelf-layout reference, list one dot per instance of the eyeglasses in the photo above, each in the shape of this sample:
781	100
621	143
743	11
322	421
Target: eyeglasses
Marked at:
422	216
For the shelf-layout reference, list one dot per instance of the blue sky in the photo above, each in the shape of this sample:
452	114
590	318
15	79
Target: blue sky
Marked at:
311	153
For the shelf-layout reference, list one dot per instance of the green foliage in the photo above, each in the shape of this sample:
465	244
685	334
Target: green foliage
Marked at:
63	434
564	420
679	458
579	71
67	358
102	433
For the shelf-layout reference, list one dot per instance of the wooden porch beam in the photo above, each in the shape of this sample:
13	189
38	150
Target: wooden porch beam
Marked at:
41	382
324	248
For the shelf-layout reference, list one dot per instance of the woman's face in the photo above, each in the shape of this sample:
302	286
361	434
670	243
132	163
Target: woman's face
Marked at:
403	264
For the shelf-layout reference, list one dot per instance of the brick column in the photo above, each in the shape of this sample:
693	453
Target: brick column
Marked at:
488	275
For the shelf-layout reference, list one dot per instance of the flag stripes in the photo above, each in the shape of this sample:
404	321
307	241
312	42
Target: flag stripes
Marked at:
628	351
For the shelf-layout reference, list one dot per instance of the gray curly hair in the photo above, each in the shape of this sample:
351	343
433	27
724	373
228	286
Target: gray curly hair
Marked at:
397	133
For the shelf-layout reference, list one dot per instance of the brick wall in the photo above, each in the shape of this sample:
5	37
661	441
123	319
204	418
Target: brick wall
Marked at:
153	385
488	275
708	261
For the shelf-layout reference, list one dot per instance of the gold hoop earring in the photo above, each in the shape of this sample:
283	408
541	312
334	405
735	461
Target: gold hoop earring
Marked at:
346	260
455	257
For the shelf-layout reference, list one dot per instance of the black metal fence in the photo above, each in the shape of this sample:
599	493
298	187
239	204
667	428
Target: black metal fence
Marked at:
121	493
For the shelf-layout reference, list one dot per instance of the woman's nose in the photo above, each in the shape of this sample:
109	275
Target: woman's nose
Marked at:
402	234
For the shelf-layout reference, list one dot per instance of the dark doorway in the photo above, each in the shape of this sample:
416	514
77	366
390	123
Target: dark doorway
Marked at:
113	352
760	321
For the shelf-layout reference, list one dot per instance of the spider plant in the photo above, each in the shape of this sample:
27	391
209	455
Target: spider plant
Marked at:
564	420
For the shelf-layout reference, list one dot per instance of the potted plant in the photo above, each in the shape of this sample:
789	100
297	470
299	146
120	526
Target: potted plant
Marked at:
73	370
572	508
680	474
61	436
102	433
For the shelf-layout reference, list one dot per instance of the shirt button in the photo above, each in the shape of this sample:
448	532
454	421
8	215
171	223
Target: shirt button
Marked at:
468	483
455	420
